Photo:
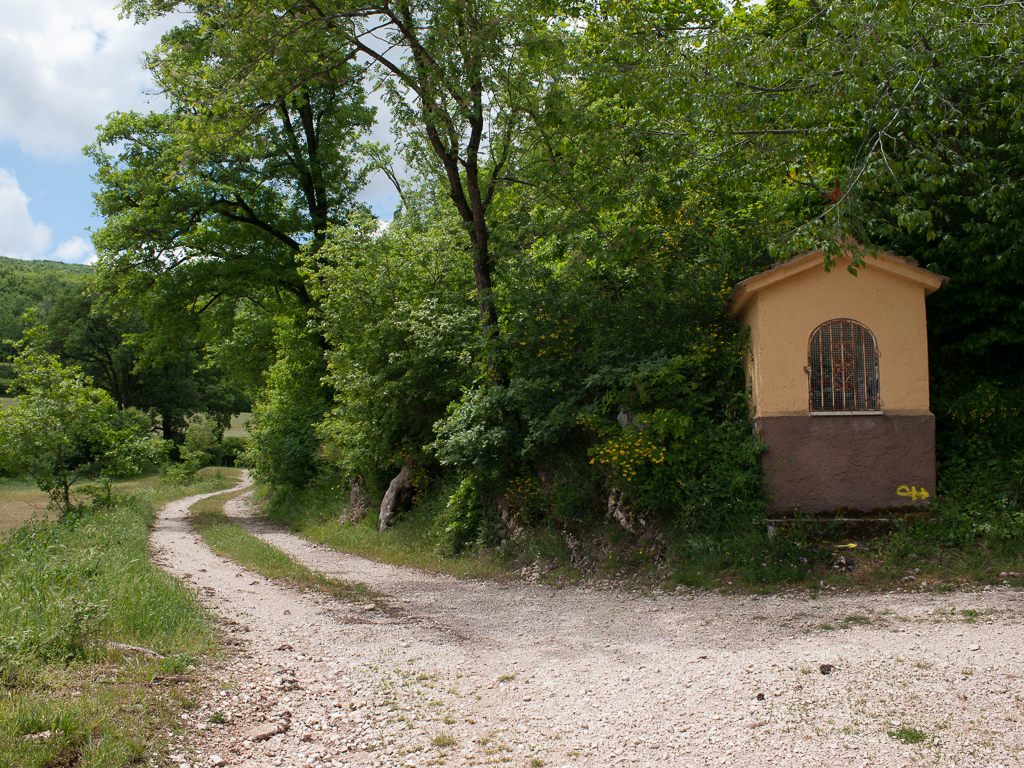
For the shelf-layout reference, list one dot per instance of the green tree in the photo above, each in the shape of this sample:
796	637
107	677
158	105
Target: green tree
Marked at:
453	72
396	307
283	449
200	213
179	383
894	117
63	430
205	214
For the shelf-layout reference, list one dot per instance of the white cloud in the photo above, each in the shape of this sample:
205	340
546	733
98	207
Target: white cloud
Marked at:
65	65
20	237
23	238
77	250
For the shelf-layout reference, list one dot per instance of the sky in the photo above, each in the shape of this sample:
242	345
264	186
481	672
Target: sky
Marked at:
64	66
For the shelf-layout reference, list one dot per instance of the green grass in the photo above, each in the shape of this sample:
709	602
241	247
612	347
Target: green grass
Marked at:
69	590
237	428
7	402
608	551
748	562
69	586
230	540
908	735
409	544
413	541
91	723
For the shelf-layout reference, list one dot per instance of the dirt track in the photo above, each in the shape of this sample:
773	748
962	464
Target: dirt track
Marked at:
474	673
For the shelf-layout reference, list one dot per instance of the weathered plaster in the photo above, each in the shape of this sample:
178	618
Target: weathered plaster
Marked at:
784	305
822	462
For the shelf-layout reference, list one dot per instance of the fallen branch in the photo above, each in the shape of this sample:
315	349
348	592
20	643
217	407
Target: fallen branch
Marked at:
136	649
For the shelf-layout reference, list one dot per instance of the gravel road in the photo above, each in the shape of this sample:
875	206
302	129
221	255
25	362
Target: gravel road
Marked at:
462	673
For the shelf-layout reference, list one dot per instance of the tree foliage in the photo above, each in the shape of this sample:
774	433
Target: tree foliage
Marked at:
30	285
177	385
63	430
541	327
396	310
455	75
193	221
206	211
283	449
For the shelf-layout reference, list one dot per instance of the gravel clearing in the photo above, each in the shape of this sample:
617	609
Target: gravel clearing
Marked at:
461	673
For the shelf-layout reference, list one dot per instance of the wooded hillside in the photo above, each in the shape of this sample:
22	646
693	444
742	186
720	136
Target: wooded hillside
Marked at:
28	285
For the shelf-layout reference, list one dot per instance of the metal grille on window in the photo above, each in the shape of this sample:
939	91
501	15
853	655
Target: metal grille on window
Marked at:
843	367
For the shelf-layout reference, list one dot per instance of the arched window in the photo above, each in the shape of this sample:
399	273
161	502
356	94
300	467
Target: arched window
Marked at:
843	367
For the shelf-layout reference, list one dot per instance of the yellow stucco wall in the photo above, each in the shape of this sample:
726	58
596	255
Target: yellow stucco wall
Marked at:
785	305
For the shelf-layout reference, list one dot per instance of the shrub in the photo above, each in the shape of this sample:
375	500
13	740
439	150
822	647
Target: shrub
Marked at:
231	451
283	446
459	523
62	430
980	451
683	449
631	365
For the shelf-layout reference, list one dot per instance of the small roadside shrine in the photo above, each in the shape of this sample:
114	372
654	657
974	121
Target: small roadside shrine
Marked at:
838	375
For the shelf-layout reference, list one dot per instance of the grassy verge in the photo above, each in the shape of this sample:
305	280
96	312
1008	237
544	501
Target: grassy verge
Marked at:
904	560
410	543
230	540
318	514
70	590
918	556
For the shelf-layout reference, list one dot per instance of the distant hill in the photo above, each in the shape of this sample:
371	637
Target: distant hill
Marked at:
33	265
31	284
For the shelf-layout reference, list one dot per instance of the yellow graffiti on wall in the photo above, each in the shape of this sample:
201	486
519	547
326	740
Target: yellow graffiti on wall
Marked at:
912	492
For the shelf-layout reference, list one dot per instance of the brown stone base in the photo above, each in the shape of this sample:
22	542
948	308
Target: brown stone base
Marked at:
823	463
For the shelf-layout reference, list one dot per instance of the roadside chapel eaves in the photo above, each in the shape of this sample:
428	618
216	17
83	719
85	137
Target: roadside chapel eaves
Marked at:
887	261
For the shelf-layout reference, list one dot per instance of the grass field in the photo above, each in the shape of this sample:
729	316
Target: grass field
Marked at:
238	423
7	402
21	500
